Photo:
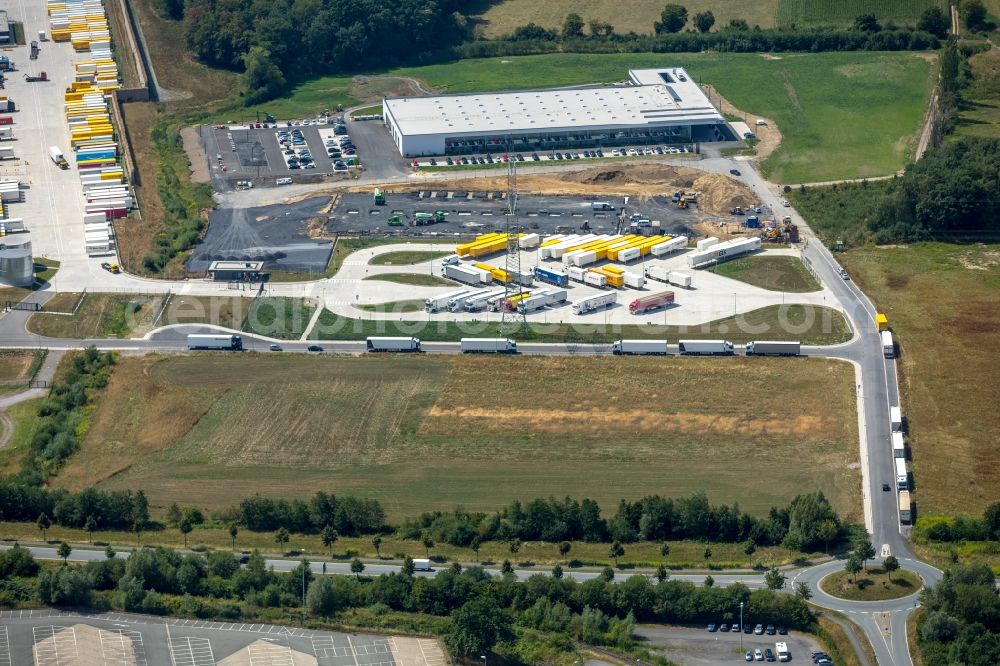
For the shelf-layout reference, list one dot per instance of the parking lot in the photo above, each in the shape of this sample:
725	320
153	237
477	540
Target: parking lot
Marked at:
50	638
697	647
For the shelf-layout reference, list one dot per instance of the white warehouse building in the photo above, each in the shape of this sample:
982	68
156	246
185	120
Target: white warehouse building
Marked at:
656	106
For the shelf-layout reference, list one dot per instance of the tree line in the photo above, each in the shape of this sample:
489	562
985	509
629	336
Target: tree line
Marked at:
961	622
961	528
483	609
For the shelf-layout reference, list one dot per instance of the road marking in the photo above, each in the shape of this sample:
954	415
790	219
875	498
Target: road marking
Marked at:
54	645
353	653
118	652
191	651
4	648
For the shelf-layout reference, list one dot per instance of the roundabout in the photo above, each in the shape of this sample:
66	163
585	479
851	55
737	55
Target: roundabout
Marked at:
871	584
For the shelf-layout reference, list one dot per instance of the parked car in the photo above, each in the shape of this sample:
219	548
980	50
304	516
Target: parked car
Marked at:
759	629
275	347
758	655
768	654
314	348
735	172
770	630
782	630
735	628
724	627
747	629
712	628
748	656
844	274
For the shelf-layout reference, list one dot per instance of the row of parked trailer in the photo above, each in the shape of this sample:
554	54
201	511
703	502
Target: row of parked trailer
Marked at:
705	348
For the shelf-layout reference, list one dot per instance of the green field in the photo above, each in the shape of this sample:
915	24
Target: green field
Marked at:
501	18
775	273
980	115
279	317
813	326
422	432
405	257
821	102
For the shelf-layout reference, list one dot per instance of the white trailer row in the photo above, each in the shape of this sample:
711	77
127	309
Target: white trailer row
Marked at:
661	274
10	190
542	299
704	348
719	252
466	274
597	302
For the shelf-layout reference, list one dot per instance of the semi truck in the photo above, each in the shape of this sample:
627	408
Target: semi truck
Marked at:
378	197
652	302
898	445
480	302
643	347
905	510
881	322
57	157
591	303
488	346
552	276
458	303
224	342
767	348
902	477
895	419
705	347
393	344
541	299
888	347
468	274
657	273
437	303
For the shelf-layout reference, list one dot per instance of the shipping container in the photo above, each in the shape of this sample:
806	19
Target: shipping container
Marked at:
595	279
766	348
652	302
657	273
397	344
468	274
672	245
705	347
881	322
458	302
645	347
528	241
723	252
597	302
576	274
481	302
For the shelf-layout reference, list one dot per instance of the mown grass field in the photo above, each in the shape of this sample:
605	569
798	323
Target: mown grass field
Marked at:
131	315
980	117
24	416
501	18
418	279
775	273
421	432
872	584
821	102
941	302
405	257
811	325
279	317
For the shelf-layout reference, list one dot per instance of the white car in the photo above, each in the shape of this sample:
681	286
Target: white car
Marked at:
632	152
784	202
616	153
758	655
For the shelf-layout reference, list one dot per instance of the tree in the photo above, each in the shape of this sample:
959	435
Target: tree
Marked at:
608	574
661	573
616	551
864	551
321	598
514	546
867	23
749	548
506	568
477	626
774	579
739	25
428	544
803	592
827	531
329	537
185	527
665	549
991	519
233	533
572	26
934	21
564	549
890	564
456	568
557	572
709	581
601	29
64	551
408	567
377	544
853	566
357	566
672	19
263	78
476	544
174	514
281	537
704	21
43	523
109	552
90	525
707	553
137	527
973	14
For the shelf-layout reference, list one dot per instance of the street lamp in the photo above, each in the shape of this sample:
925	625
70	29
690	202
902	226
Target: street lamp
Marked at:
741	625
303	587
483	657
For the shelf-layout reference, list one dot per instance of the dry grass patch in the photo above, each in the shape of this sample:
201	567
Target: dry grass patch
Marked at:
226	311
16	364
101	316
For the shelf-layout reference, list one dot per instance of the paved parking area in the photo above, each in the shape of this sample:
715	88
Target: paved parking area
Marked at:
561	155
697	647
52	638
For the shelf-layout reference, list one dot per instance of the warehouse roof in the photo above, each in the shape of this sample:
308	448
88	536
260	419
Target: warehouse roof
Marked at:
653	97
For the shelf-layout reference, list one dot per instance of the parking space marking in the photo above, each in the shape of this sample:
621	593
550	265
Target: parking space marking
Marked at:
122	647
431	652
4	648
190	651
54	645
263	653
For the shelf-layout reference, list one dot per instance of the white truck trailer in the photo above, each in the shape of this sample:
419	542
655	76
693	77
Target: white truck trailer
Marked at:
679	279
898	445
468	274
902	477
396	344
666	247
224	342
643	347
422	565
705	347
895	419
488	346
437	303
458	303
541	299
477	303
657	273
716	254
591	303
888	346
768	348
634	280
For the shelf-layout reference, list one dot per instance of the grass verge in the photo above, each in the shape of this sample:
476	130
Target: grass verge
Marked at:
417	279
24	416
412	431
774	273
872	584
810	325
100	316
279	317
20	365
405	258
414	305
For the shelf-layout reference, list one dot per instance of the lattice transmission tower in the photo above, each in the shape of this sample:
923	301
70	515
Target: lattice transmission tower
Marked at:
512	320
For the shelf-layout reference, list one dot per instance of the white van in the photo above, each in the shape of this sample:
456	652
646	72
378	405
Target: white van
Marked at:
283	181
450	260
